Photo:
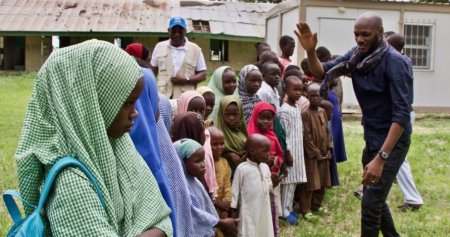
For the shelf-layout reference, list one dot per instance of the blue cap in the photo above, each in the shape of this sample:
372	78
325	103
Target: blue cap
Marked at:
177	21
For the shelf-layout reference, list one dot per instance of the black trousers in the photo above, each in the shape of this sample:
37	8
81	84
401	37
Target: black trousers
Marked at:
375	214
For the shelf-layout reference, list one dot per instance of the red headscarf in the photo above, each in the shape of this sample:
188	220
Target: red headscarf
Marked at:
275	147
136	50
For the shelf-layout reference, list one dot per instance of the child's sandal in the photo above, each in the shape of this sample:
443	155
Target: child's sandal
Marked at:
310	217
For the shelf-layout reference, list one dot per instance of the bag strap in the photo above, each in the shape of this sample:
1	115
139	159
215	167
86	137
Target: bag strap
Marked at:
56	169
8	198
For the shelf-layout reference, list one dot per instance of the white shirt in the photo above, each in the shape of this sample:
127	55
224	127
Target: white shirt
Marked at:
250	191
268	94
178	54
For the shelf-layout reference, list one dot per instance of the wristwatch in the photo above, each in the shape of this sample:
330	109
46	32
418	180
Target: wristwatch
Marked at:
383	155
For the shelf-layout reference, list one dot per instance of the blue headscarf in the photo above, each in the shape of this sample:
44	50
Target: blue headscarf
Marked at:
145	137
204	215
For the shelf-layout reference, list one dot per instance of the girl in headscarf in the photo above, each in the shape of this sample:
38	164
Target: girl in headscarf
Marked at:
223	82
205	217
82	105
144	136
231	122
191	101
262	122
188	125
210	101
250	80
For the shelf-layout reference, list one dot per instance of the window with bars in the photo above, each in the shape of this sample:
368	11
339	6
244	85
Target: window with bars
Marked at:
418	45
201	26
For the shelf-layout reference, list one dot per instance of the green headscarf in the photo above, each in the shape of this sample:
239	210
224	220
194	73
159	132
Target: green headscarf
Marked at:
216	85
76	96
234	138
187	148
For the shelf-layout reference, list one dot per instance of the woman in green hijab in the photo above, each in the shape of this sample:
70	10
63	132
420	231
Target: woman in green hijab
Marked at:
222	83
82	105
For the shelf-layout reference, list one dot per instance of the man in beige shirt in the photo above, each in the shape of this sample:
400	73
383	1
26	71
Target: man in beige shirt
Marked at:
178	63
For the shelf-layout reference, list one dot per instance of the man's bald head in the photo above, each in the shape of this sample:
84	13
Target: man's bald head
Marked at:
371	18
397	41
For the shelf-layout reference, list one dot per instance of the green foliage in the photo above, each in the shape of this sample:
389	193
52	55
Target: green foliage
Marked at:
429	157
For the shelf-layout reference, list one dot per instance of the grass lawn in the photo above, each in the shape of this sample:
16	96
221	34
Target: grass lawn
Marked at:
429	157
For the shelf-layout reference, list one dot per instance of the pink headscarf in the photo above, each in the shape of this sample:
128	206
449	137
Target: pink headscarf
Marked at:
275	147
185	98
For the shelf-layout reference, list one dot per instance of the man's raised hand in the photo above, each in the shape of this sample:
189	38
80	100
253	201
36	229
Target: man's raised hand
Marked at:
307	39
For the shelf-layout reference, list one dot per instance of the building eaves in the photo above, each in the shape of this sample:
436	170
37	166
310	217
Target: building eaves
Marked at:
134	17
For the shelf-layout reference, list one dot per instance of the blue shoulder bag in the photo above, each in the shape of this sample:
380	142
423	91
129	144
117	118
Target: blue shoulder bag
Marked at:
32	224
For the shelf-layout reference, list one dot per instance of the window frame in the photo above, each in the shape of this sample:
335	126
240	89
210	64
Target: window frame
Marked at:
223	57
431	47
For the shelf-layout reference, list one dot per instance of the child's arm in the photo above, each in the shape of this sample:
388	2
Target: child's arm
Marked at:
222	205
236	188
234	158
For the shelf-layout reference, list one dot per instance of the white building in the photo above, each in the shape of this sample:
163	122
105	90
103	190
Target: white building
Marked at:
426	27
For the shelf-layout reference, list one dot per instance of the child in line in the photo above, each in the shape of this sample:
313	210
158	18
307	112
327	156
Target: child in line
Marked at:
231	122
250	190
250	79
223	82
210	100
205	217
271	78
190	125
328	107
223	176
303	102
262	122
317	156
291	121
191	101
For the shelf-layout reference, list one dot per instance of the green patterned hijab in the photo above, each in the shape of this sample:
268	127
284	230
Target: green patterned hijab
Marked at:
76	96
234	138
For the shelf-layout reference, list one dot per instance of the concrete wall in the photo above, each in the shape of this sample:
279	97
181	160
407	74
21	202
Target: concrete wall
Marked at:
334	26
239	53
283	24
431	87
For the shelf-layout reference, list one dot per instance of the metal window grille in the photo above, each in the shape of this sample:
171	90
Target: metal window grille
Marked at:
418	42
201	26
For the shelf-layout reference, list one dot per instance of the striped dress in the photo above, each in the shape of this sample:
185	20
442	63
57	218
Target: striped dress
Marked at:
291	121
